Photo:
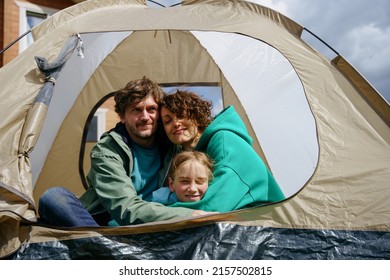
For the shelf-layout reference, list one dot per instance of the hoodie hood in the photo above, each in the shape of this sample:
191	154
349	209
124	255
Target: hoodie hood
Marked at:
240	177
227	120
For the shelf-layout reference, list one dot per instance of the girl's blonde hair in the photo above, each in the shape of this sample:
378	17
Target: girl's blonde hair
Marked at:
185	156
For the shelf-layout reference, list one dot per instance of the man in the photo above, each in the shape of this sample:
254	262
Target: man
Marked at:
127	164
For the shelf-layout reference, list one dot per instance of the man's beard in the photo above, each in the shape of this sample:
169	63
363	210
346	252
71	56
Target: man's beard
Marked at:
143	134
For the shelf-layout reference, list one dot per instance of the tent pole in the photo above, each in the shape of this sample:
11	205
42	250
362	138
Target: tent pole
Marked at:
157	3
14	41
322	41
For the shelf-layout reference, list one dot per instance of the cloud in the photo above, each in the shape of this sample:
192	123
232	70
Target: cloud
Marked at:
358	30
370	50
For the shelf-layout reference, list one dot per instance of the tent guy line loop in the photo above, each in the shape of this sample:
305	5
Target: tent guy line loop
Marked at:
50	79
23	154
80	46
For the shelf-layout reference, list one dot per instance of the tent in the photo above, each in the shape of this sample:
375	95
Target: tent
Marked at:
322	129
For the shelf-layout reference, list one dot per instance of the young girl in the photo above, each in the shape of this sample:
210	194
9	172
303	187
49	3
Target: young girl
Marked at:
188	179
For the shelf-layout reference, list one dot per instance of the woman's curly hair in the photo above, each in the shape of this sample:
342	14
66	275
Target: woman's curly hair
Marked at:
189	105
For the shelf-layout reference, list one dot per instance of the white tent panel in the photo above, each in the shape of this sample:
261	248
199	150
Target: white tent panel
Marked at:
274	99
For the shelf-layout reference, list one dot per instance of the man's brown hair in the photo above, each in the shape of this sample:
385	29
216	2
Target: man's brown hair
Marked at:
136	91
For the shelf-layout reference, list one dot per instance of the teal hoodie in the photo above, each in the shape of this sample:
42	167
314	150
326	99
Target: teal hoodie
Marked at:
241	179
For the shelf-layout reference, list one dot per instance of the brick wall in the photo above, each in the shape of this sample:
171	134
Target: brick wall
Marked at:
1	27
9	25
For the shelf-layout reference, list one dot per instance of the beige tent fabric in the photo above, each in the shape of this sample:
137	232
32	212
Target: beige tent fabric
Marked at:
379	105
350	186
20	84
132	18
145	52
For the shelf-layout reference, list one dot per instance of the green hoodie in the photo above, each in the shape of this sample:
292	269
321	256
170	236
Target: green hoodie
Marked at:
241	178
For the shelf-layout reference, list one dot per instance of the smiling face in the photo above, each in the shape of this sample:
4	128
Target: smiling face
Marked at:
190	181
182	132
140	120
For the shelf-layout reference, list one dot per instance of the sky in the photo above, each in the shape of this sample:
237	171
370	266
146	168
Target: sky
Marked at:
359	30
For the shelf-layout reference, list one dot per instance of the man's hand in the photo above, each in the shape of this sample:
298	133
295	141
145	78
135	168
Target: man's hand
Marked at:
201	213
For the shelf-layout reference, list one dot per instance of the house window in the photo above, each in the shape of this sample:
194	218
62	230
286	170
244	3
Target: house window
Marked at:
30	15
97	125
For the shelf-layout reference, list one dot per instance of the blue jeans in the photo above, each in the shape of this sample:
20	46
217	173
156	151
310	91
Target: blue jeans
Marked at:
58	206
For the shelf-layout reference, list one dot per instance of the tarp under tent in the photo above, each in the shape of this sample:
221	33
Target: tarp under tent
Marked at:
322	129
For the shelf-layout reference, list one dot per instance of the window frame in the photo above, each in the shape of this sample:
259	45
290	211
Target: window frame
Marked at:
24	8
100	115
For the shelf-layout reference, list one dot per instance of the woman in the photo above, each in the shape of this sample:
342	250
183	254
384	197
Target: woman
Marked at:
241	179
